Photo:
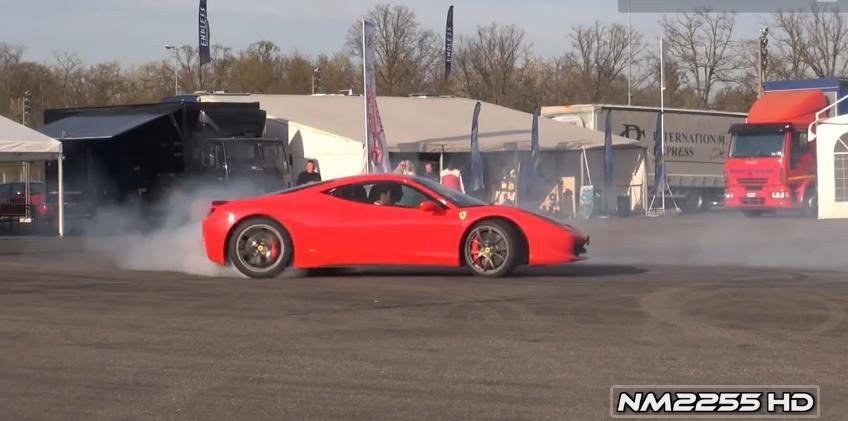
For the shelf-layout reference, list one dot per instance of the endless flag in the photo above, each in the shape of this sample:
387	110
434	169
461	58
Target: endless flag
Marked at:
659	166
448	44
609	170
476	182
203	35
375	138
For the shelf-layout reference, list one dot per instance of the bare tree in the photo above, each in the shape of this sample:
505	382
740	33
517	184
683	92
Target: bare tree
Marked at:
599	55
491	63
69	70
814	41
702	42
406	54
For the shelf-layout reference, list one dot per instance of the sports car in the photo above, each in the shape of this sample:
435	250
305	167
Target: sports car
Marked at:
382	219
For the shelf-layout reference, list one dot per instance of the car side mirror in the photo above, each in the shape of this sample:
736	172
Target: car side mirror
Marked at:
429	206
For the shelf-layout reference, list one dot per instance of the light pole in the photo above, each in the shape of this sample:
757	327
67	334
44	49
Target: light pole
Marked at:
176	50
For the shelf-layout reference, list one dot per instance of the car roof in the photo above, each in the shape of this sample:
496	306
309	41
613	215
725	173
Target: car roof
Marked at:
367	178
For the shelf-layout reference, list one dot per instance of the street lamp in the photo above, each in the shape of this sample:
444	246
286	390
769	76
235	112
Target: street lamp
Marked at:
176	50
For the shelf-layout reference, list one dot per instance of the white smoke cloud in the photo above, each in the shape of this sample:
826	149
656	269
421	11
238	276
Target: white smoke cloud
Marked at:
167	237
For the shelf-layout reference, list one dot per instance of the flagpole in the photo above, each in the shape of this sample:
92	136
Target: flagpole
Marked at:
365	100
662	120
629	55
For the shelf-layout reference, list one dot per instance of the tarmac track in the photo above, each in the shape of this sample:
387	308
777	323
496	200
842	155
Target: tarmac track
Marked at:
82	340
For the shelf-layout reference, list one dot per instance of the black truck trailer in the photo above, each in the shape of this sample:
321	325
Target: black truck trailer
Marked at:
142	153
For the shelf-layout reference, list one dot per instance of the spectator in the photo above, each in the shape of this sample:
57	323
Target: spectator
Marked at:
309	175
430	171
405	167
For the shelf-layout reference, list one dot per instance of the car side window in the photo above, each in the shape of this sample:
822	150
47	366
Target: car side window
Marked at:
381	194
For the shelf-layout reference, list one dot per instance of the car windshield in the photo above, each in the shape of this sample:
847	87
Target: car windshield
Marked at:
247	155
459	199
757	145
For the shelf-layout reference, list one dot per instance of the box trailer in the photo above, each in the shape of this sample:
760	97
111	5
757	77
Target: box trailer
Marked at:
141	153
696	144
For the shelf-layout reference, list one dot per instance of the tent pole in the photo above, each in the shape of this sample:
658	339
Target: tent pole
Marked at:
27	199
61	198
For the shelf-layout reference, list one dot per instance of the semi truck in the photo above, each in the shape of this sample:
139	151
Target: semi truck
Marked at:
696	144
141	153
772	160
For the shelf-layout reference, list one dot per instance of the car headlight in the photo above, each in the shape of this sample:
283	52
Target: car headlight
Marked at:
728	195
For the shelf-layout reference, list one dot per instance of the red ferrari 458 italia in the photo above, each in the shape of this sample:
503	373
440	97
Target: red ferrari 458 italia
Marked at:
382	219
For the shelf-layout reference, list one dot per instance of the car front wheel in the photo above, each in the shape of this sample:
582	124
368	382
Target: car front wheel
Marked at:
260	248
491	249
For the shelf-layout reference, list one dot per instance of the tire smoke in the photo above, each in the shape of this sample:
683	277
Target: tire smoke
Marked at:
166	237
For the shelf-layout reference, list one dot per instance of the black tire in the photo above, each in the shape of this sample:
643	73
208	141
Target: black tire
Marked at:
491	249
694	202
810	207
753	213
251	248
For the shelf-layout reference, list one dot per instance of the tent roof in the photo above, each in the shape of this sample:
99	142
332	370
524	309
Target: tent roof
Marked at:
20	143
101	125
425	124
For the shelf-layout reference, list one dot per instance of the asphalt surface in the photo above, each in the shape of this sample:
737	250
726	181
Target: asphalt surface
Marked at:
83	339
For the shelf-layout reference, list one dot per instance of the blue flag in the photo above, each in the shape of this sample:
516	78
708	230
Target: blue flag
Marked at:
476	183
530	175
203	35
448	44
659	167
609	169
535	152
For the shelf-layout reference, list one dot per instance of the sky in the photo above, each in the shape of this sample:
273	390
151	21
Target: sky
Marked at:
135	31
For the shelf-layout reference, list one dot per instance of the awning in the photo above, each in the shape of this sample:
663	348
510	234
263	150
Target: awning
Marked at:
19	143
97	125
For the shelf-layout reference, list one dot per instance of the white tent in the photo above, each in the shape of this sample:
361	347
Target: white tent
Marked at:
330	128
19	143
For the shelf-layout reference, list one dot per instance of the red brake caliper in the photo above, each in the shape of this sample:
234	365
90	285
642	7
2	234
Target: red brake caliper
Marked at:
475	247
275	249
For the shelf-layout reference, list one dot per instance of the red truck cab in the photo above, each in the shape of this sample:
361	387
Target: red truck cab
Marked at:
771	165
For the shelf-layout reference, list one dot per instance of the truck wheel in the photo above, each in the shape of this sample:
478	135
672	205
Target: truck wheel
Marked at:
753	213
694	202
810	207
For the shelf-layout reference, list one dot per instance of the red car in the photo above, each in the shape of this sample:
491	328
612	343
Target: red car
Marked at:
382	219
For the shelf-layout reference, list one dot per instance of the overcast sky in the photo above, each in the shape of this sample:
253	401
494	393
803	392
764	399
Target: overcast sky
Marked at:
135	31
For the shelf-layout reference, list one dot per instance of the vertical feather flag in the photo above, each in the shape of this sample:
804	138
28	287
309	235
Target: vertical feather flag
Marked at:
448	44
203	34
609	170
477	183
659	167
530	176
375	138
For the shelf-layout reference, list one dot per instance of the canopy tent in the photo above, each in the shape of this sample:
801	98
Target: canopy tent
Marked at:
330	129
426	124
19	143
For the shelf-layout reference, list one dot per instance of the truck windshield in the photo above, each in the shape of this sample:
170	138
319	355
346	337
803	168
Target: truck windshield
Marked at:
750	145
257	156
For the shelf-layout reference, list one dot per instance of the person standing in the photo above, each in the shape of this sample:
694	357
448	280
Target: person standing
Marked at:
309	175
430	171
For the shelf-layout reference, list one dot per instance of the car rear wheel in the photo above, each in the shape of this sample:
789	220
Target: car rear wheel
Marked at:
491	249
260	248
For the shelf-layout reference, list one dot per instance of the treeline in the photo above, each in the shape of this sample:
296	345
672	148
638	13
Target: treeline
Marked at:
706	65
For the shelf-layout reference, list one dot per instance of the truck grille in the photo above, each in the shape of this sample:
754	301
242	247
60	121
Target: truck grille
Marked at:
753	181
753	201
